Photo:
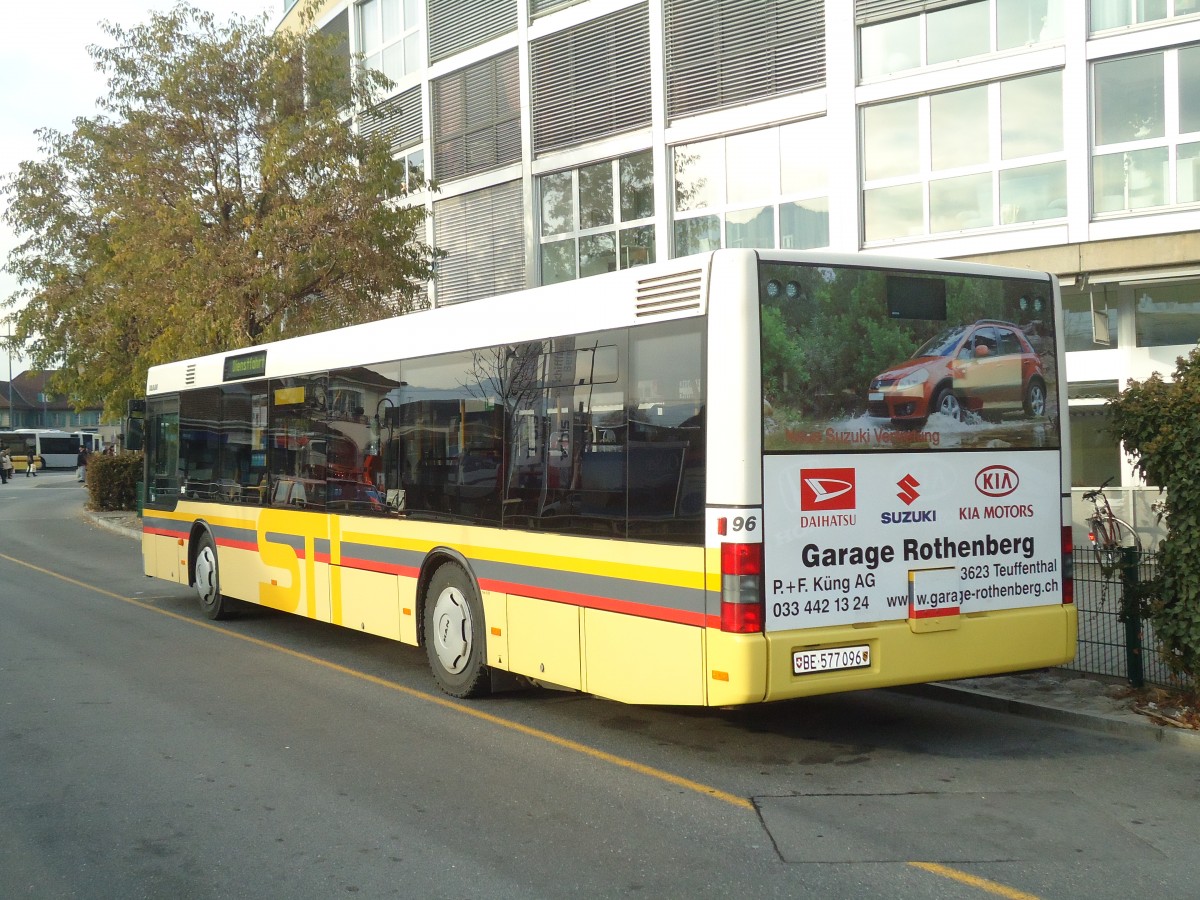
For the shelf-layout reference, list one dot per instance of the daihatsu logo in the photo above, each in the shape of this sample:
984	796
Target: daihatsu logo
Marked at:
996	481
824	489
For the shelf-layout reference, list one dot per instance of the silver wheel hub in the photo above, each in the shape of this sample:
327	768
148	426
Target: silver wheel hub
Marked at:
452	630
206	575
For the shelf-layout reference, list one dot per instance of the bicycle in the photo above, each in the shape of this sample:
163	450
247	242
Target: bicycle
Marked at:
1109	535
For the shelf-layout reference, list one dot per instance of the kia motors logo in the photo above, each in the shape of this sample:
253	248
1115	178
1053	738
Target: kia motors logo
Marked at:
996	481
822	489
908	489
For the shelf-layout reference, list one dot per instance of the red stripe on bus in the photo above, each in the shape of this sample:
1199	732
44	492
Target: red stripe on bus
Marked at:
238	545
608	604
373	565
933	613
163	532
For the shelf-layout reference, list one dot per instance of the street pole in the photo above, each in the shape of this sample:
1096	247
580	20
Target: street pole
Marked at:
8	350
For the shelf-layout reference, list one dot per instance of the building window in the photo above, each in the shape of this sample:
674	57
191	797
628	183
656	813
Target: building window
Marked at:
1147	131
955	33
1167	315
972	158
1080	329
389	37
1095	452
1080	325
591	81
477	118
1108	14
597	218
474	268
766	189
455	26
725	53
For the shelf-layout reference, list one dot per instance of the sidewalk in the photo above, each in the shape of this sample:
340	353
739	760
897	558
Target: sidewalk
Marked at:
1069	698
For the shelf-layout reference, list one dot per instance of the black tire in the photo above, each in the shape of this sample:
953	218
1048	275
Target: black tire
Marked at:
947	403
213	603
454	634
1035	398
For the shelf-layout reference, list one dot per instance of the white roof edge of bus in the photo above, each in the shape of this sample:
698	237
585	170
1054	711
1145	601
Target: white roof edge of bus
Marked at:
549	311
949	266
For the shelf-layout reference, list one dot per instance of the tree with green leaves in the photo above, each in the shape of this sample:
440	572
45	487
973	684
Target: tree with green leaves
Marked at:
1160	421
219	198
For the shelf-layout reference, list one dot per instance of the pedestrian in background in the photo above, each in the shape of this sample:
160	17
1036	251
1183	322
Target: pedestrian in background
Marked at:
81	465
30	463
6	466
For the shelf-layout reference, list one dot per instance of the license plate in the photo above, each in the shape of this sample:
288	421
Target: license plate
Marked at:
806	662
875	396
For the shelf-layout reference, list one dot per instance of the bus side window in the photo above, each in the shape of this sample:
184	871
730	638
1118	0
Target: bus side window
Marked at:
162	451
243	457
667	433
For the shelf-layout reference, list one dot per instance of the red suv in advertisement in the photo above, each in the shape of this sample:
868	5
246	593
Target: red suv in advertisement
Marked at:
987	368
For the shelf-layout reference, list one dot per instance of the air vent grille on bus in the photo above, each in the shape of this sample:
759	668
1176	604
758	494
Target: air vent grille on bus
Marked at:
674	293
189	375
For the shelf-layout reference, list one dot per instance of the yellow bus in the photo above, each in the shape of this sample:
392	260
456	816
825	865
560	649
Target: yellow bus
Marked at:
726	479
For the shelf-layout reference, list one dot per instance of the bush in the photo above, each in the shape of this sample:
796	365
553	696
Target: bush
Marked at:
1160	421
112	481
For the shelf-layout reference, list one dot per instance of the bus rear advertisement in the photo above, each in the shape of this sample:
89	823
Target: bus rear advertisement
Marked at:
730	478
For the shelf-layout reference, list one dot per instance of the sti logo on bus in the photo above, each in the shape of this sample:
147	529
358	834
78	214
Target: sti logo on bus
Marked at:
996	481
824	489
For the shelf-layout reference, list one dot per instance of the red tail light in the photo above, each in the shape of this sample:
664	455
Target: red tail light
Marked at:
1068	565
741	588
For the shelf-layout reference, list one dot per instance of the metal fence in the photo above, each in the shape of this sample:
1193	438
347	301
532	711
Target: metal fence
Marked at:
1106	645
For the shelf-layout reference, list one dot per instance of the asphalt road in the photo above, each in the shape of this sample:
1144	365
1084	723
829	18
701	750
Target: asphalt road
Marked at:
146	752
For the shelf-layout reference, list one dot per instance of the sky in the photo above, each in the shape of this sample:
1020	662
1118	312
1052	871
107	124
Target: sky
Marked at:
47	78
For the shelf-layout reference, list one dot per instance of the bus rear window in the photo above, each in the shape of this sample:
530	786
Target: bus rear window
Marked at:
862	359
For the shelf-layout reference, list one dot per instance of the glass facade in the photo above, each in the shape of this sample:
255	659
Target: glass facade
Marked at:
1147	130
1107	14
1167	314
761	189
957	33
965	159
390	37
597	218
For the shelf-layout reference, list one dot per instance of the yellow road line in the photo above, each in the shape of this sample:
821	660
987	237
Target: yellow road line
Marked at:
574	746
992	887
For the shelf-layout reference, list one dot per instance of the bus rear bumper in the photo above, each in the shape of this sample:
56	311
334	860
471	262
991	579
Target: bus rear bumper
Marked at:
983	644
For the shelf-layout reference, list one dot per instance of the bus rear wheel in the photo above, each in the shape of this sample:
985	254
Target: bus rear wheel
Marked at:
208	579
454	638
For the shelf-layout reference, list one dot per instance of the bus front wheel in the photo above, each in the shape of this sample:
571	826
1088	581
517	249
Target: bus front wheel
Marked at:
454	638
208	579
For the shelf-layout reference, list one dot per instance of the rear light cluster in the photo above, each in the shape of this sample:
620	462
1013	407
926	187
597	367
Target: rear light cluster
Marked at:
1068	566
741	588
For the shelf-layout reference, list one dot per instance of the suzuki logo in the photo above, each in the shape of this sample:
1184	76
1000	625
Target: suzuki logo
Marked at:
908	489
996	481
826	489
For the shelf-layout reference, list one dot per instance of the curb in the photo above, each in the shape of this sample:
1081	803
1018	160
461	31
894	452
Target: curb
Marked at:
1103	724
109	524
